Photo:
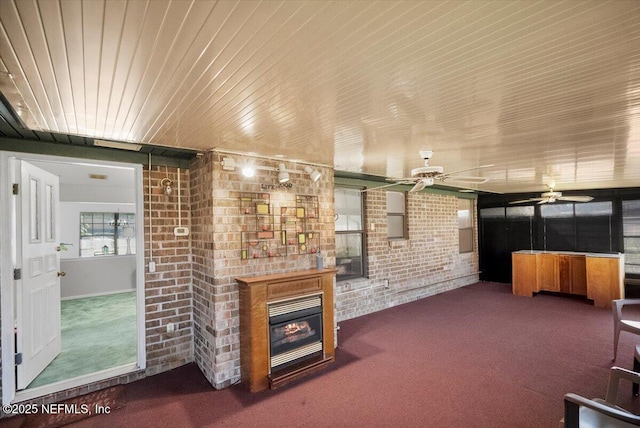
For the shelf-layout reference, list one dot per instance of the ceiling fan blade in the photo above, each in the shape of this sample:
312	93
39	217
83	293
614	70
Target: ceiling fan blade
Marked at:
468	169
398	181
522	201
576	198
546	201
383	186
465	179
419	186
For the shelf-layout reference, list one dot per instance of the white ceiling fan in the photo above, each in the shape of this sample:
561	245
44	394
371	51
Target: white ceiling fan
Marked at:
551	196
426	175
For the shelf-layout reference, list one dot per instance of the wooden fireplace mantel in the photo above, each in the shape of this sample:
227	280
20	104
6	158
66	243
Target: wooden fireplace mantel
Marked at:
255	293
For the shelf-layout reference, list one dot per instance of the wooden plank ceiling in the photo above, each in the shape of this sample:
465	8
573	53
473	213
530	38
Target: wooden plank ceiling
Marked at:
543	90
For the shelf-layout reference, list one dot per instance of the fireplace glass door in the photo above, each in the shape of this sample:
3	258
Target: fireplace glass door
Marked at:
295	335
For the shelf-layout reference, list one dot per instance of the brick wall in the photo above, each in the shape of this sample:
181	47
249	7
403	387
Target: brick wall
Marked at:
401	271
168	296
194	286
217	239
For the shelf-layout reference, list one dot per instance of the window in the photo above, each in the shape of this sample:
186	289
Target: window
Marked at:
578	227
465	225
396	225
631	236
349	233
104	234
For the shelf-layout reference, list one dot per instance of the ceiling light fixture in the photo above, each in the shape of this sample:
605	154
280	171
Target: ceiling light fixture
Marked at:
117	145
283	175
248	171
315	175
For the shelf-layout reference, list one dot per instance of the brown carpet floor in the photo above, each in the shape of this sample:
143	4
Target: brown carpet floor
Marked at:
473	357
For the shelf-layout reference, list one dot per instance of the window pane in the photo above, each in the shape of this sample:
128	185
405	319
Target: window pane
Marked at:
349	255
50	214
395	226
631	233
594	209
348	209
395	202
115	231
354	222
466	240
631	218
464	213
492	212
520	212
556	210
34	209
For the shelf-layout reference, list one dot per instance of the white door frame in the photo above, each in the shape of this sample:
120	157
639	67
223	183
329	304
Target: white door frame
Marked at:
9	242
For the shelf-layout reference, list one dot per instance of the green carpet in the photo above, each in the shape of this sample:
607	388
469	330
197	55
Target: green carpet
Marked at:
97	333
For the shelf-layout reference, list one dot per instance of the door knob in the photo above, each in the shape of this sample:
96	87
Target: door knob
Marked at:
63	273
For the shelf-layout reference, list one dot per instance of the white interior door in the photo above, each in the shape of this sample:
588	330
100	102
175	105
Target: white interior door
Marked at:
38	294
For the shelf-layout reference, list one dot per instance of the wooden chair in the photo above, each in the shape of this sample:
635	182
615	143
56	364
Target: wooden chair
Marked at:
583	412
621	324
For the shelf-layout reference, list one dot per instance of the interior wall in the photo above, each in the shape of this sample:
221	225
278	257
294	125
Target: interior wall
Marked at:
111	274
427	263
168	297
217	236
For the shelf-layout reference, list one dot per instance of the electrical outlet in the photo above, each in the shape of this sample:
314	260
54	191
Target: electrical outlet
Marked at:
171	327
152	267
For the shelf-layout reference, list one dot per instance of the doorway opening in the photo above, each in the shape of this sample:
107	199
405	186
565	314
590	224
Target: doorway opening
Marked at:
78	225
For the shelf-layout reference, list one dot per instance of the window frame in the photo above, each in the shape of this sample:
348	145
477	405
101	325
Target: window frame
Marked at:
361	232
469	229
625	238
402	215
117	235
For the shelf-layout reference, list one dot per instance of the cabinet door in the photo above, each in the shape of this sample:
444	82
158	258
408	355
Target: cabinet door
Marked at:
578	275
564	273
603	281
524	281
548	272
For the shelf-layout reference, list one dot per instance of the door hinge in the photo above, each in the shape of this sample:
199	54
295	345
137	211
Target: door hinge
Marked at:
16	188
17	274
18	359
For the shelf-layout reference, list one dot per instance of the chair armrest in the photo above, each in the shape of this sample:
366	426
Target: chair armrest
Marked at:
616	307
572	414
615	374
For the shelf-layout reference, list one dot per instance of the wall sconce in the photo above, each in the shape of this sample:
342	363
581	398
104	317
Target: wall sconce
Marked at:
166	185
283	175
228	164
315	175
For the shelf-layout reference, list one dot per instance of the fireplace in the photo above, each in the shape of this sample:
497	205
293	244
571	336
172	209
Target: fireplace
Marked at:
287	327
295	331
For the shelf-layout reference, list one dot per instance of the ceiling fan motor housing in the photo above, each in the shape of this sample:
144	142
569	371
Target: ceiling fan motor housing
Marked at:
551	195
427	171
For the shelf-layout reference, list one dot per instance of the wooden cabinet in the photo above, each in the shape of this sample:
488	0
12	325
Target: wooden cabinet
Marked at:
524	274
578	270
598	277
256	293
605	279
547	266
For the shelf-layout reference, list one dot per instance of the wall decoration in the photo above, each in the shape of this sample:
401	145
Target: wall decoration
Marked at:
288	229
